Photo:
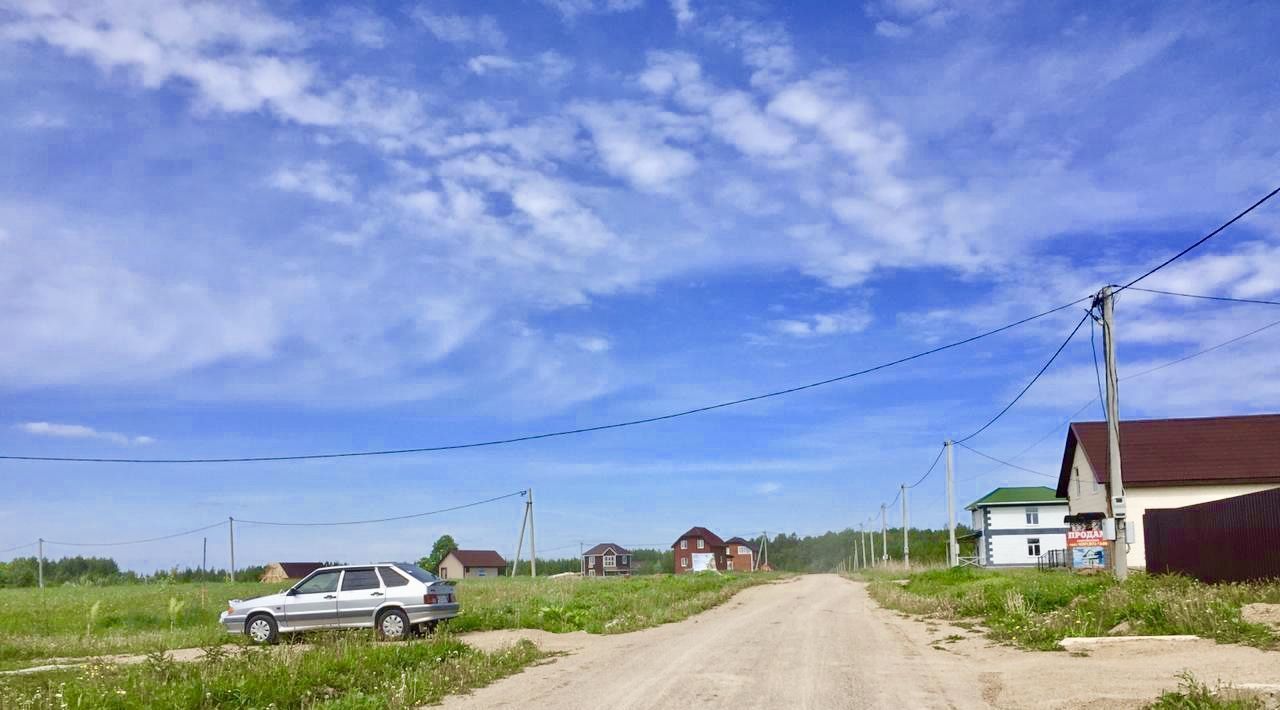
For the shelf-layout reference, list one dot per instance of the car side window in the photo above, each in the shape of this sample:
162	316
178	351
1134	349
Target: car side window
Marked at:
392	578
320	582
360	579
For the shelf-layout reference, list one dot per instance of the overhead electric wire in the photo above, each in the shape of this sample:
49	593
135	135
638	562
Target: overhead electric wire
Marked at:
1097	371
33	543
1228	299
566	432
137	542
1006	463
933	465
1009	406
1203	239
386	520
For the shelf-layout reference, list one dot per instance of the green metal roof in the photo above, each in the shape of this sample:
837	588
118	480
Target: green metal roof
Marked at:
1017	495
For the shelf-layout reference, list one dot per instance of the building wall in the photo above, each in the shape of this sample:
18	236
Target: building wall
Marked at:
681	556
1014	517
1006	531
450	568
1084	493
594	565
740	561
1012	549
1140	499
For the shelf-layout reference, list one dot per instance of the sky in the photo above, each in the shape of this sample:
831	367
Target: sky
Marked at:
273	228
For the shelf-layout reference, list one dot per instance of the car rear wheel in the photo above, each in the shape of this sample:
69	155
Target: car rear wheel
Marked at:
393	625
261	629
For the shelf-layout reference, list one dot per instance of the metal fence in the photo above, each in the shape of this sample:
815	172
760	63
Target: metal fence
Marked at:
1051	559
1230	540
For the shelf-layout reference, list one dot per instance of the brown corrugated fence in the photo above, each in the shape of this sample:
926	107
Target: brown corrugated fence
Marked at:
1230	540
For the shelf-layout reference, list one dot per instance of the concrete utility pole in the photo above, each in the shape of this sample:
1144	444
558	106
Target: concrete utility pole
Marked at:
204	556
40	563
533	545
906	545
1120	563
953	550
231	534
884	533
582	561
862	533
524	522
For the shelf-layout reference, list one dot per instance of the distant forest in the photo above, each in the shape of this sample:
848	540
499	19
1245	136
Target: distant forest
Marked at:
786	552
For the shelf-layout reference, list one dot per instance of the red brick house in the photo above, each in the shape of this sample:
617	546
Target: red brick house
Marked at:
741	555
606	560
699	550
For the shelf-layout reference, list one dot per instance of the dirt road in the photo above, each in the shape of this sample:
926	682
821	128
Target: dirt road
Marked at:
819	641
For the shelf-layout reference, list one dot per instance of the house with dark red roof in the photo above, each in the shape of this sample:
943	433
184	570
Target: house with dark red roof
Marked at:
741	555
1169	463
606	560
699	550
471	563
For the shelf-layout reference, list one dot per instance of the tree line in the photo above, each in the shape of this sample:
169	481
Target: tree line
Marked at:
98	571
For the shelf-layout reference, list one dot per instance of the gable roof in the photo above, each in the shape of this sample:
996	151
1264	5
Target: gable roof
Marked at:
1017	495
479	558
600	549
697	531
740	541
1185	452
298	570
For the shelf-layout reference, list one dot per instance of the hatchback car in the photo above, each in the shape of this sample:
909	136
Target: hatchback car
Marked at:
394	598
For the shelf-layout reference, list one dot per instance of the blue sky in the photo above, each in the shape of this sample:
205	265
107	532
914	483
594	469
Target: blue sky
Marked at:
276	228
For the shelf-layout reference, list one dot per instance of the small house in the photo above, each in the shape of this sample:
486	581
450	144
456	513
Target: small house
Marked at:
741	555
699	550
471	563
285	571
606	560
1014	526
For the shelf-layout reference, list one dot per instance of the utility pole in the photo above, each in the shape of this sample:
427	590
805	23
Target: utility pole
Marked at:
524	522
204	556
1120	563
231	533
884	534
533	546
906	545
582	561
953	551
862	533
40	563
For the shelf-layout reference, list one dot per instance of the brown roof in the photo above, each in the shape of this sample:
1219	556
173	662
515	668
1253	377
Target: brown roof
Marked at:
712	539
298	570
1165	452
479	558
740	541
599	549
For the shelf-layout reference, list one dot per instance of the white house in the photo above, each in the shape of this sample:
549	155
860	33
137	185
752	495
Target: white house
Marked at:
1013	526
1169	463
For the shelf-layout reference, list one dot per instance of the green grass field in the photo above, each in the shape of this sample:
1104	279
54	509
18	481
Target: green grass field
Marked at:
1036	609
65	622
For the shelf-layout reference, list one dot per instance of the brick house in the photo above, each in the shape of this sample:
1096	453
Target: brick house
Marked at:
606	560
741	555
699	550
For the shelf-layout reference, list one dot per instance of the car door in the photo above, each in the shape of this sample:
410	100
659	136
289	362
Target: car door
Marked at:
314	602
361	593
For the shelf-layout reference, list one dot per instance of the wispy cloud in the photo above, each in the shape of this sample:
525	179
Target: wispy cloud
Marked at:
79	431
462	29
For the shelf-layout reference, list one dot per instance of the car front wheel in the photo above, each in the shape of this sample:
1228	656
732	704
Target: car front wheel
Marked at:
393	625
261	629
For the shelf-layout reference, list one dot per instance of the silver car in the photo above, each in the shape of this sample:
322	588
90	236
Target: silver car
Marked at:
393	597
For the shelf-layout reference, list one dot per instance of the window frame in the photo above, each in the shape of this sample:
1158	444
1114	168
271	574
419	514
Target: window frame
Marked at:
1032	514
347	573
702	544
610	561
390	573
684	562
1033	547
337	573
684	543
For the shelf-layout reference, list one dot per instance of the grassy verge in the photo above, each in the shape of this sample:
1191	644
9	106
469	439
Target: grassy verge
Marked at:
1194	695
72	622
341	671
1035	609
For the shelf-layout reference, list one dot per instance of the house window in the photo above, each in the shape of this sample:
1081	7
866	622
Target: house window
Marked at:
744	550
626	560
684	562
1033	546
684	544
701	543
1033	516
608	560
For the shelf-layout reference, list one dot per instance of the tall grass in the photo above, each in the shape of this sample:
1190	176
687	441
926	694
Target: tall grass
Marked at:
1036	609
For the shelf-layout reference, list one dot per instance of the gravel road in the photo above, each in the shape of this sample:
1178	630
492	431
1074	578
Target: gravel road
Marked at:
819	641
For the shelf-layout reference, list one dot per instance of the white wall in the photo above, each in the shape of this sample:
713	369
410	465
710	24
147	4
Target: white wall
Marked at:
1013	517
1141	499
1083	490
1012	549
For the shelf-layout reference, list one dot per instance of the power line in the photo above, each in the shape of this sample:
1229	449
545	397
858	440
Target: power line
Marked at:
1097	373
1208	298
1009	406
567	432
136	542
385	520
1202	240
1006	463
19	547
933	465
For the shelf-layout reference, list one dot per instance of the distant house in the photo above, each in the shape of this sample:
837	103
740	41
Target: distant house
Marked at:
471	563
1013	526
285	571
699	550
1169	463
606	560
741	555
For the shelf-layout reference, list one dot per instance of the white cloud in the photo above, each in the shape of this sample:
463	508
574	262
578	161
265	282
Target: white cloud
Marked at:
487	63
462	29
767	488
893	30
79	431
683	12
548	67
852	320
317	179
631	142
570	9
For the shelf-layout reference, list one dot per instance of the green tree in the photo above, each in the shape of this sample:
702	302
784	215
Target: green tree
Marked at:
443	546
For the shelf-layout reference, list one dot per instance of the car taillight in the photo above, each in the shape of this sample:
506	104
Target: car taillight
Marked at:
437	599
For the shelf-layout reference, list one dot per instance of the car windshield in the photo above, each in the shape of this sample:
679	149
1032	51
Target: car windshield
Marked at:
417	572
